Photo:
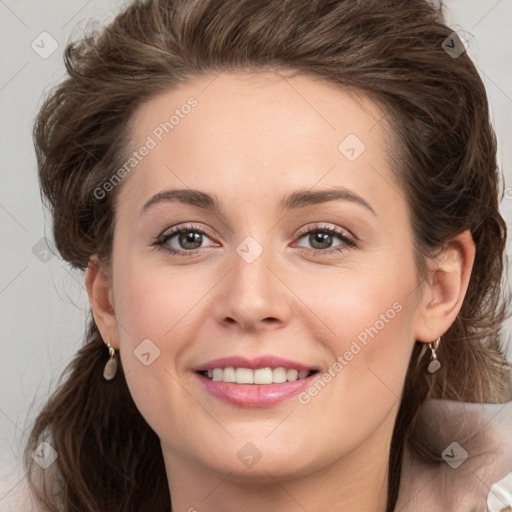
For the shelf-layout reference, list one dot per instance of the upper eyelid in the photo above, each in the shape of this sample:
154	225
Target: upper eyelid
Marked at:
324	227
176	229
319	226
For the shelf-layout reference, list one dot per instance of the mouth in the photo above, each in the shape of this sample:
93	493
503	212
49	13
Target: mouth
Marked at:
262	376
259	386
262	381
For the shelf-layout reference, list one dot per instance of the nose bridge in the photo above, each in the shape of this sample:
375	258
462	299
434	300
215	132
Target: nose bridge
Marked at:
253	293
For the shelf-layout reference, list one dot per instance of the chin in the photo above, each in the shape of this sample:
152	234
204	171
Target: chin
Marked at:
261	462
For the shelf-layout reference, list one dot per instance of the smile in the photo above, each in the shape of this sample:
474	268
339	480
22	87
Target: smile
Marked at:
264	376
255	394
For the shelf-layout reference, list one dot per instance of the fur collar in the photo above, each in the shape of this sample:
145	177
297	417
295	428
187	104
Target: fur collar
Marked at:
475	475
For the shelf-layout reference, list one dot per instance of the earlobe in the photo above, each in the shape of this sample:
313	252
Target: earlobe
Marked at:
446	287
99	288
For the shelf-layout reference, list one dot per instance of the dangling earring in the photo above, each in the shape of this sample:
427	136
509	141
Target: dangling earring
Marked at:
434	364
110	369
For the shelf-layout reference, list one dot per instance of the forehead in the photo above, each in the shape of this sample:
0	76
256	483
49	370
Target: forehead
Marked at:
261	103
258	130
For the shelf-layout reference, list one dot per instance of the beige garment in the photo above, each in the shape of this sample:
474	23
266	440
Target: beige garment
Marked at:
475	443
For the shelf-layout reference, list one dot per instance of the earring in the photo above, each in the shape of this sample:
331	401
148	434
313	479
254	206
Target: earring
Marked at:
110	369
434	364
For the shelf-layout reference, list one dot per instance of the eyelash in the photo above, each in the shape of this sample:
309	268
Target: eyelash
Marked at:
161	240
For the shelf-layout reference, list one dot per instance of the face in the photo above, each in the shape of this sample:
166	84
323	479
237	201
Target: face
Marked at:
306	264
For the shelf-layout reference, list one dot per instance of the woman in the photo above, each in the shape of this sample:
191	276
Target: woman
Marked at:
287	214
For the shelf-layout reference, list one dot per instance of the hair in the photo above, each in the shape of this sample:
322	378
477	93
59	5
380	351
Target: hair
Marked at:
391	51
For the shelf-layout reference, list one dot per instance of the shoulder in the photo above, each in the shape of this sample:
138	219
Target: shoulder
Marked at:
15	492
15	495
474	442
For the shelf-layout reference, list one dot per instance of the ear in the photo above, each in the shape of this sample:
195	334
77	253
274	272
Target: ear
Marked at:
445	288
99	288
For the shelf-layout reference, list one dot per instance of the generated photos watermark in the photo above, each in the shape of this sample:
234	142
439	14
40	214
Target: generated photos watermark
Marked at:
343	360
157	135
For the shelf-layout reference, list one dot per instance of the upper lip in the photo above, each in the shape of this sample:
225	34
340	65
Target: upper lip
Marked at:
263	361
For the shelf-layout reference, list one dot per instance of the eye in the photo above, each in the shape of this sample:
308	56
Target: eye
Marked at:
182	241
188	240
321	239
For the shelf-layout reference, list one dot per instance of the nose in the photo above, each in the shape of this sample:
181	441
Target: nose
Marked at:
253	294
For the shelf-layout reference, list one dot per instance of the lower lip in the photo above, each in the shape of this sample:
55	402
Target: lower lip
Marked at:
255	395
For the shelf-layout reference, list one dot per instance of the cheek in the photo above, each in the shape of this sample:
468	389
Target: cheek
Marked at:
156	325
367	318
155	302
361	305
370	317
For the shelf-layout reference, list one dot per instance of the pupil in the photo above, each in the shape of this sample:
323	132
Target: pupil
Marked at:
190	237
317	239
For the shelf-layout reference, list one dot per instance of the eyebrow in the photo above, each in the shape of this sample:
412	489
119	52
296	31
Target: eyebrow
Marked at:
295	201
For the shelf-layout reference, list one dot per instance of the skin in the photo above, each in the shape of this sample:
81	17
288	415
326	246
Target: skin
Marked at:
251	140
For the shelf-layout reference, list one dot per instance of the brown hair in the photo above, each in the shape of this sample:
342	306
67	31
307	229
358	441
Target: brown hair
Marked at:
109	458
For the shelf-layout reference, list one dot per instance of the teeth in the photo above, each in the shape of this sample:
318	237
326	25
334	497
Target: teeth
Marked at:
293	375
229	375
279	375
244	376
263	376
259	376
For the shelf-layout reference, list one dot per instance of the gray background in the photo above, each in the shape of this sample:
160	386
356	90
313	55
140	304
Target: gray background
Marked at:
43	303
